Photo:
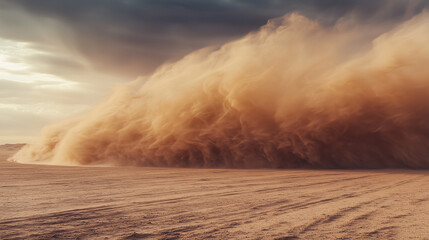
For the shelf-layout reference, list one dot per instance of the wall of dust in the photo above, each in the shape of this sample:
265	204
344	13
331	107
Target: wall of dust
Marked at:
293	94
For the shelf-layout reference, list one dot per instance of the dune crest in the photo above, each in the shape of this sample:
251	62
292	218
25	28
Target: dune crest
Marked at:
293	94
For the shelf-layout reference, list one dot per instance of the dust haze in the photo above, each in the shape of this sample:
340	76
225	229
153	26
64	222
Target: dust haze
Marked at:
296	93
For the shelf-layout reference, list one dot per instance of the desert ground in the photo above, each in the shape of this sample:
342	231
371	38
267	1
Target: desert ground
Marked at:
55	202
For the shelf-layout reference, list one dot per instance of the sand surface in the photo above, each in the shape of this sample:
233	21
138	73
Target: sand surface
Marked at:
51	202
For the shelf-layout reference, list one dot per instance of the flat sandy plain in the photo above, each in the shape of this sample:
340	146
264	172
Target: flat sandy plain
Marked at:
54	202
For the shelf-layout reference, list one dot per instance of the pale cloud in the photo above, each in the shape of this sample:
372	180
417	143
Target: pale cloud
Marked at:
34	95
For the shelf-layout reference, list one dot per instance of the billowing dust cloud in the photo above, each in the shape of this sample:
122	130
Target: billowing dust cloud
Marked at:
294	94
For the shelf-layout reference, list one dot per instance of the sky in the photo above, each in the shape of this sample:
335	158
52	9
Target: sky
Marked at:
60	58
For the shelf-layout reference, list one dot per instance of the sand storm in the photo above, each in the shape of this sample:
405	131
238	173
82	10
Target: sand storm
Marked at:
296	93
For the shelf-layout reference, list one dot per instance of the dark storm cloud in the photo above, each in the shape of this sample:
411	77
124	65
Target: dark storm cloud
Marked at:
132	37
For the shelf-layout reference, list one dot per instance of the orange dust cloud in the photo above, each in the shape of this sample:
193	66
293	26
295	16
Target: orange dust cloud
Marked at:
293	94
